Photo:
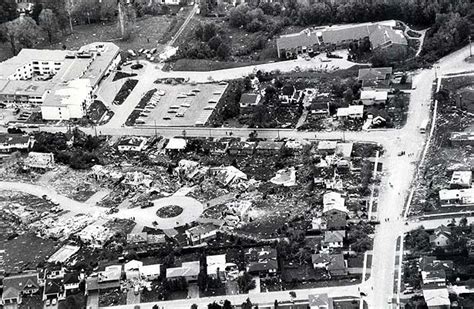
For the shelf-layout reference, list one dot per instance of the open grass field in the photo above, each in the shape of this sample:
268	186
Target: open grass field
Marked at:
147	33
208	65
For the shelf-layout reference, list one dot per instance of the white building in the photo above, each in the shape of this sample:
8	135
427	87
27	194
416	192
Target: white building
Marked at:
350	112
40	160
456	197
132	143
461	179
371	97
150	272
216	265
68	101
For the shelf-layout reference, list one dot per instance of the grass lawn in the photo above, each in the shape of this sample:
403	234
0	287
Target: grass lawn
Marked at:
133	117
146	98
96	110
126	89
147	33
207	65
120	75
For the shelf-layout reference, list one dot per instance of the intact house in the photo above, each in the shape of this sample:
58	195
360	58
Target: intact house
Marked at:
333	240
350	112
437	298
132	143
250	99
375	78
15	142
40	160
189	271
433	275
334	264
442	237
201	233
150	272
262	261
456	197
372	97
461	180
14	287
216	265
382	36
106	279
334	211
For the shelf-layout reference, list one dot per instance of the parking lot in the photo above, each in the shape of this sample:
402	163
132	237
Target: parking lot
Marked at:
182	105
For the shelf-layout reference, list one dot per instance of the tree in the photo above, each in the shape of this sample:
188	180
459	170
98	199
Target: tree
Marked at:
194	306
21	32
223	51
209	31
8	11
215	42
463	222
245	283
37	8
214	305
227	304
247	304
49	23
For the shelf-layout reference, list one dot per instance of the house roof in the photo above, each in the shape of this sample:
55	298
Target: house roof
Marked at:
215	262
268	145
430	263
382	34
150	270
373	95
71	278
319	300
201	229
132	141
14	285
53	286
133	264
350	110
187	269
337	34
467	195
436	298
344	149
331	261
261	259
327	145
382	73
461	178
304	38
334	236
14	139
333	201
137	237
249	98
176	144
111	273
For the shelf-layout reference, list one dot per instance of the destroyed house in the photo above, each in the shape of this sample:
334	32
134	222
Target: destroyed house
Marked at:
132	143
262	261
242	148
217	148
334	264
40	160
53	288
462	138
268	148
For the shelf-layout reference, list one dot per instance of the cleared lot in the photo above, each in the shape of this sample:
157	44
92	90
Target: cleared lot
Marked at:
181	105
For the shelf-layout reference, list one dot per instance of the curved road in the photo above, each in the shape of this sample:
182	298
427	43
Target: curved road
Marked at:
398	172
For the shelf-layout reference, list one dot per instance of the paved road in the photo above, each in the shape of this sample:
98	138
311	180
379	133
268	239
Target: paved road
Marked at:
394	187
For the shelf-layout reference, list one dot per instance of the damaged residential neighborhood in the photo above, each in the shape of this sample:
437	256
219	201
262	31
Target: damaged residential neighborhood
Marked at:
236	154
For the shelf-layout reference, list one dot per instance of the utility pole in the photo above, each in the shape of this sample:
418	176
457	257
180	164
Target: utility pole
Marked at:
470	47
156	134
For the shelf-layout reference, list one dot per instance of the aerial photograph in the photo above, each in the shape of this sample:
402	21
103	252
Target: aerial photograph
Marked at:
236	154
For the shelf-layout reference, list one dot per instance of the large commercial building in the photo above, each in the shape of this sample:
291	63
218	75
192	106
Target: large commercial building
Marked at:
382	36
61	82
